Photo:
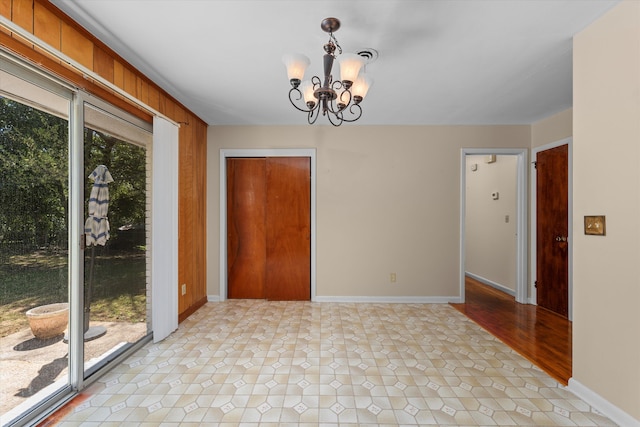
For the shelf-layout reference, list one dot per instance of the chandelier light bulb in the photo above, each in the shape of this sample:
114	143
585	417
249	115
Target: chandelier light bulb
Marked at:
296	64
307	92
350	65
361	86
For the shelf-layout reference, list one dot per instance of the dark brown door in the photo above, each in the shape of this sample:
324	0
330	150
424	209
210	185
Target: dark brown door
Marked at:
552	269
269	228
246	235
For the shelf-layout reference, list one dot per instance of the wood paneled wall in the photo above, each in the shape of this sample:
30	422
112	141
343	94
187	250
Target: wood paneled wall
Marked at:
55	28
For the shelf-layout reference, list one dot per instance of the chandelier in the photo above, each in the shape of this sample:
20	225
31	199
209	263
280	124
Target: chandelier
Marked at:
339	100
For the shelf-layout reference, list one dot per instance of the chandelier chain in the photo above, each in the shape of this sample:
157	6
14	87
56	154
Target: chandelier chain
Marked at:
332	37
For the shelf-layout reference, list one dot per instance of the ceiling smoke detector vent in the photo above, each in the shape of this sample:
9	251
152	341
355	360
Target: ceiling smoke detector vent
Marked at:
369	54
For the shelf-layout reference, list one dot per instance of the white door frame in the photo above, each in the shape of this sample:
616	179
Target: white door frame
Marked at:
272	152
534	218
521	214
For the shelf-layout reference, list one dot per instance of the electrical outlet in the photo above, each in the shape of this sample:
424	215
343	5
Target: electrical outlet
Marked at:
184	289
392	277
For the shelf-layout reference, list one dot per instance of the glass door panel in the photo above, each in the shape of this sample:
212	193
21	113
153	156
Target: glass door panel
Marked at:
116	313
34	244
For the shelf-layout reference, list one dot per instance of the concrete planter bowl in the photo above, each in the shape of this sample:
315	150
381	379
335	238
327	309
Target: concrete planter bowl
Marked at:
48	321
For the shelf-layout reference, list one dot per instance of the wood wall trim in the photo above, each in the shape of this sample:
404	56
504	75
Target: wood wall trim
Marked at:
67	74
54	27
50	24
185	314
115	56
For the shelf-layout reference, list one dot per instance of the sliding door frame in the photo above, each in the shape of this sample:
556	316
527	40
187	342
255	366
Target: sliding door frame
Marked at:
78	379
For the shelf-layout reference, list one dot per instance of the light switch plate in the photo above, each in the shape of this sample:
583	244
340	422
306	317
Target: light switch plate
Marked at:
595	225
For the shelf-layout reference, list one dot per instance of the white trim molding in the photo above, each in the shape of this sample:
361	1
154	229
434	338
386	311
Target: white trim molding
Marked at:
602	405
388	299
491	283
271	152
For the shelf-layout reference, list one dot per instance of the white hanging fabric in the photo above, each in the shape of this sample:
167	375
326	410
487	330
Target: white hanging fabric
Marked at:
164	229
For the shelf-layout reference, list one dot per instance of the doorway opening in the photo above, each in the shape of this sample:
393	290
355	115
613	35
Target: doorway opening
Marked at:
224	220
520	326
520	156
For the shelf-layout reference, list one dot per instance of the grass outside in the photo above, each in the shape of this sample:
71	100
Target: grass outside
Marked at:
41	277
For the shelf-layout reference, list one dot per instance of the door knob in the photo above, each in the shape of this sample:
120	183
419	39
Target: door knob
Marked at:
561	238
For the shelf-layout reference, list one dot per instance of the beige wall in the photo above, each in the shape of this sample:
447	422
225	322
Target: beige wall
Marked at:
491	241
388	200
552	129
606	153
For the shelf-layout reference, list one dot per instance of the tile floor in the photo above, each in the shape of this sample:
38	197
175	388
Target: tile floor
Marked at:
251	363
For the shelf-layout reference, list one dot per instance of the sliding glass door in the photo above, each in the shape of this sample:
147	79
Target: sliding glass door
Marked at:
75	209
116	242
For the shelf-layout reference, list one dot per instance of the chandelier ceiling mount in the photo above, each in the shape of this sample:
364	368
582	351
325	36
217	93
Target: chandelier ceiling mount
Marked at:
330	25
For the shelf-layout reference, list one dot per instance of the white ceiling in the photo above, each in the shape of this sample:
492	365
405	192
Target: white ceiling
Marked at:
440	61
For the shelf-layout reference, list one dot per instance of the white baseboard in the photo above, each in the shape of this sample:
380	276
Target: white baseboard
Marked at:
366	299
388	299
601	404
491	283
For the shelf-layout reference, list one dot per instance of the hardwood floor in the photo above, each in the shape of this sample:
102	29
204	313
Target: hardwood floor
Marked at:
540	335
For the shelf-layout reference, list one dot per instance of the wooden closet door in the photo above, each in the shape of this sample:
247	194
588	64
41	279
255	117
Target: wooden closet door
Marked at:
288	218
246	236
269	228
